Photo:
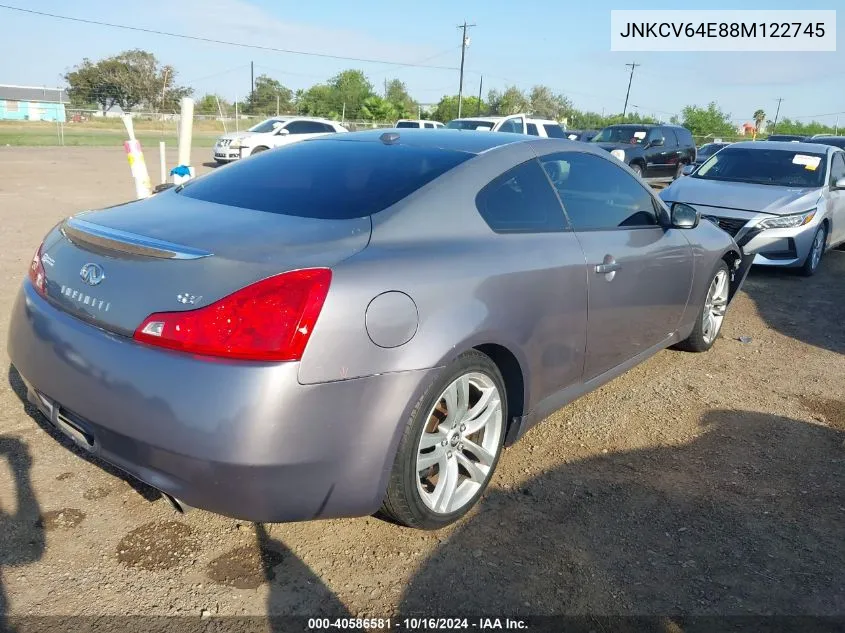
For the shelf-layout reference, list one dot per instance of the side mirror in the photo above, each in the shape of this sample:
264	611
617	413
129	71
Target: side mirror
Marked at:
687	170
283	132
684	216
658	142
839	184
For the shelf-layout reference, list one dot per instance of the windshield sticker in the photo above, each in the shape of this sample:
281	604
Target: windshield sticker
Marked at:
640	135
809	162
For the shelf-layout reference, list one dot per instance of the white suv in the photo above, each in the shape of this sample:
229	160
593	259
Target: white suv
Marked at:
515	123
418	123
545	128
273	132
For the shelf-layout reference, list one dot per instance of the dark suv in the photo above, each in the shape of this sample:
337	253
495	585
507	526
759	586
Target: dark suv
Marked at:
653	151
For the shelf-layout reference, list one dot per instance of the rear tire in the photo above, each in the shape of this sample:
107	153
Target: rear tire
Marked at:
446	457
638	169
814	257
708	324
679	170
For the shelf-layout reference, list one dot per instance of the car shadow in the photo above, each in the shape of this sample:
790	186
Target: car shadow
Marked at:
746	519
808	309
22	538
19	388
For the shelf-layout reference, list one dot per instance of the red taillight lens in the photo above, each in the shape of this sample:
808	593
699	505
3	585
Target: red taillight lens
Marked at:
37	274
271	320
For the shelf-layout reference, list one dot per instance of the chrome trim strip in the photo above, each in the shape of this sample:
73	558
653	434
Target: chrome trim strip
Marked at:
130	242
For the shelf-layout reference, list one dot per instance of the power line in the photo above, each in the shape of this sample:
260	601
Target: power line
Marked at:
209	40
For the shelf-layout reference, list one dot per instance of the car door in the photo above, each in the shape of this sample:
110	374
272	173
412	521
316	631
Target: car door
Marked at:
639	273
656	154
515	124
837	199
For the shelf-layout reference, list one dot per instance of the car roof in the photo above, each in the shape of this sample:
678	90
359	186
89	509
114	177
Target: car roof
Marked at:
470	141
480	118
789	146
544	121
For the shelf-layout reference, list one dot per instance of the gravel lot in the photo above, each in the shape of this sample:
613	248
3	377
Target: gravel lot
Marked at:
697	484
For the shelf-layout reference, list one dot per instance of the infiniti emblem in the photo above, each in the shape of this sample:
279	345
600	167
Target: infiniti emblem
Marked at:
92	274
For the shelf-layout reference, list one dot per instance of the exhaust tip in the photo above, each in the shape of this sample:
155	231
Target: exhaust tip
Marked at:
178	505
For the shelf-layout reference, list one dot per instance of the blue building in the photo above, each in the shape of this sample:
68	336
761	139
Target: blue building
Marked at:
29	103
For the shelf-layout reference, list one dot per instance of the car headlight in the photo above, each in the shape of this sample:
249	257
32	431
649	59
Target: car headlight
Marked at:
788	221
618	153
237	143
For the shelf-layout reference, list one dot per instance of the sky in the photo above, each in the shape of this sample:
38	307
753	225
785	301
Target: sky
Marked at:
564	45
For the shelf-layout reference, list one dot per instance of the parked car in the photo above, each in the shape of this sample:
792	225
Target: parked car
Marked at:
417	124
271	341
707	150
585	136
515	124
273	132
835	141
652	151
545	128
785	201
794	138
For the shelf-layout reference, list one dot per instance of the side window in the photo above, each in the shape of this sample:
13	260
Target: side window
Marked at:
837	167
685	137
296	127
554	131
429	126
654	134
671	138
521	201
532	130
327	128
306	127
511	125
597	194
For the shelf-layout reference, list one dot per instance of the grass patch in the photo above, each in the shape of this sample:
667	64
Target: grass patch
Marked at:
37	134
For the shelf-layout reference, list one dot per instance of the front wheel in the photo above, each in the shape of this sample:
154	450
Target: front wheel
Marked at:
638	169
814	257
450	447
712	314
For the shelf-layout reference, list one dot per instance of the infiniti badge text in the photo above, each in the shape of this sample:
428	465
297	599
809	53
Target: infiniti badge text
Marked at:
88	300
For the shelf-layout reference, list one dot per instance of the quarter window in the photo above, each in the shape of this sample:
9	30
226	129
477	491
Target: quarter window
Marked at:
554	131
521	201
532	130
598	195
512	125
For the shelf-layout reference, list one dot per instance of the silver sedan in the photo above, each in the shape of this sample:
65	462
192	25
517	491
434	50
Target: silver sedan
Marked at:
784	201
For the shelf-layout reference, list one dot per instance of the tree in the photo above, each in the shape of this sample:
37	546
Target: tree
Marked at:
511	101
543	103
759	117
707	122
377	109
129	79
397	95
208	105
269	97
349	90
447	108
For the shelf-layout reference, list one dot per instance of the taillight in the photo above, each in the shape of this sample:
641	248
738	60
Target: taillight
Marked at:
37	274
270	320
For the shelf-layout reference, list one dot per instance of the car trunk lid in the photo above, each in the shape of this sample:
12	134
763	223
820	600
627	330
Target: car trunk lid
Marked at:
116	266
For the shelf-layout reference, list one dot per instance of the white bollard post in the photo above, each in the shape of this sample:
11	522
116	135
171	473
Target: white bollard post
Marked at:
183	170
143	187
162	161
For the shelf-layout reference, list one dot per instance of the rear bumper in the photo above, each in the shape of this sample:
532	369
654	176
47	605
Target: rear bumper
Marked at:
240	439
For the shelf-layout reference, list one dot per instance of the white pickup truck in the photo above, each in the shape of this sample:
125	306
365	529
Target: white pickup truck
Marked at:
516	123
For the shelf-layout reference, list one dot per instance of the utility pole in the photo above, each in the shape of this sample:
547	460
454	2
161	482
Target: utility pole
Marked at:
464	43
480	83
627	94
775	124
251	79
836	127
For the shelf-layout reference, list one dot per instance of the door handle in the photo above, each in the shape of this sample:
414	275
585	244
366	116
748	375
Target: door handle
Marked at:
608	267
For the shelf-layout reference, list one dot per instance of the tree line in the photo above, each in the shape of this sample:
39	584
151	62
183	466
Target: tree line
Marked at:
135	79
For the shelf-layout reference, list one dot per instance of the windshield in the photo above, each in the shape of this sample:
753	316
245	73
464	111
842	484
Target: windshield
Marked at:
622	134
470	124
765	167
266	126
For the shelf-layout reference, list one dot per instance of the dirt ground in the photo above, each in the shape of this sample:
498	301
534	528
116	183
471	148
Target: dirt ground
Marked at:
694	484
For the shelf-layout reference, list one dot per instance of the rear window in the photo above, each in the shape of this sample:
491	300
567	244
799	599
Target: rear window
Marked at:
412	124
325	179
